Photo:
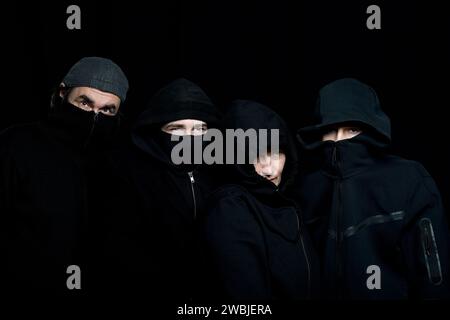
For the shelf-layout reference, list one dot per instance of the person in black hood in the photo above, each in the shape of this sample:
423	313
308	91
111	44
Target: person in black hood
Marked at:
255	236
54	178
376	219
159	247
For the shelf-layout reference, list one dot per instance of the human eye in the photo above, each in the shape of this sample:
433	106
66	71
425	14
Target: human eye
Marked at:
200	130
354	130
176	131
84	102
109	110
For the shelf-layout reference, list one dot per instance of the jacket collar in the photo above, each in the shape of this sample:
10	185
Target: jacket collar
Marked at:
346	158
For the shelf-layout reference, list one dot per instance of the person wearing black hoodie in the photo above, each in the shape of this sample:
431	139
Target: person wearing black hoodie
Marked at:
376	219
258	246
157	236
55	183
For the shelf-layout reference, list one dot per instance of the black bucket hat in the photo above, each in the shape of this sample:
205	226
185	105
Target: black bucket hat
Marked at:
349	100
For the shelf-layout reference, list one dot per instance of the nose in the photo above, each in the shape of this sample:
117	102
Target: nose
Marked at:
340	135
95	109
267	171
266	168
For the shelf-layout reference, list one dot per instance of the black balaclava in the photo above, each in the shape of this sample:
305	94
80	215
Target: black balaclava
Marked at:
164	140
82	128
347	102
181	99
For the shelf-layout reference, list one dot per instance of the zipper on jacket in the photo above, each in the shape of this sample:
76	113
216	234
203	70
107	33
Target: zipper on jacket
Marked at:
339	240
339	234
430	252
308	265
191	178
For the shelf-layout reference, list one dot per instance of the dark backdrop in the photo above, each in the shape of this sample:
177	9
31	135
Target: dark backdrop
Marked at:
279	53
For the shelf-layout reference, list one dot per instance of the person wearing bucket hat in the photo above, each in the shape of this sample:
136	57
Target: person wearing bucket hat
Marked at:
376	219
157	239
55	181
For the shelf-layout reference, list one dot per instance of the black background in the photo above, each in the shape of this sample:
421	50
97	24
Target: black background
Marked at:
277	52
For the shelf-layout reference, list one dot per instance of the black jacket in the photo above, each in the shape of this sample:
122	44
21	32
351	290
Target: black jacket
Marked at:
54	199
156	243
256	239
365	207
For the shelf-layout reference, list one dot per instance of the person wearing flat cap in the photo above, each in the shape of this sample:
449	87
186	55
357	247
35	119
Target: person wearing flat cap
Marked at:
55	183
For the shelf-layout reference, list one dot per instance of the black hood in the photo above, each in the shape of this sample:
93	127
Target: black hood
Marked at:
348	101
245	115
181	99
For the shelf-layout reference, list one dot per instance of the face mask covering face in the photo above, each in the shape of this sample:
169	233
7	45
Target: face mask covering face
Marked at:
83	127
194	146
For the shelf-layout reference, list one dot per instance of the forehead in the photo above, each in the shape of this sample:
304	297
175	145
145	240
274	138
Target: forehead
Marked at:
98	96
186	123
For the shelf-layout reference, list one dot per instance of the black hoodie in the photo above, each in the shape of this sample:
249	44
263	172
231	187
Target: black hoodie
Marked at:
367	208
255	234
54	194
156	238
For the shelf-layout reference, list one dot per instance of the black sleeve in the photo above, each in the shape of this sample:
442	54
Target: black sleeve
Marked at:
8	240
426	243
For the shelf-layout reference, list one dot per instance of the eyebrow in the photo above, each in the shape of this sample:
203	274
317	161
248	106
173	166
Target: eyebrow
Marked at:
85	97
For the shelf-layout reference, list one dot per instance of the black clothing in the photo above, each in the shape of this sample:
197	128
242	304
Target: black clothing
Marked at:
54	198
157	232
365	207
255	235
